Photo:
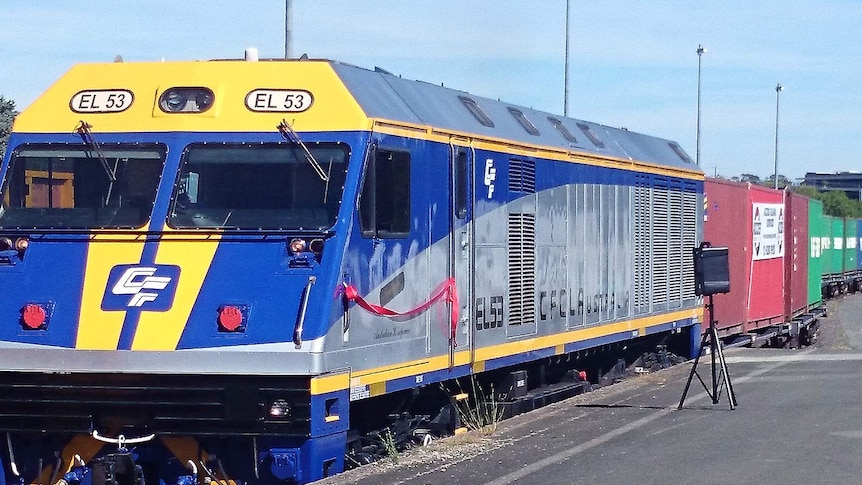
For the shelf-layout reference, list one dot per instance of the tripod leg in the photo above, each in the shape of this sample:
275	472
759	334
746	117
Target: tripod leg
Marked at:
714	346
728	385
693	371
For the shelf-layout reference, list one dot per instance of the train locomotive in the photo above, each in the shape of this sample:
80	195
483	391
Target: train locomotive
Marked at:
218	270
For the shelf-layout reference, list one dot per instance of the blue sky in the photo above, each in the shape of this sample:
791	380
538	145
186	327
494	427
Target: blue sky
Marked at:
632	63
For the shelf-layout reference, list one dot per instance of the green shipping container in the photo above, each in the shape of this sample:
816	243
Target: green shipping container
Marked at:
833	261
849	244
816	233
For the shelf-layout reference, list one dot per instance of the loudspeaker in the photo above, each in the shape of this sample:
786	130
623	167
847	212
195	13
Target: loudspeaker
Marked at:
711	270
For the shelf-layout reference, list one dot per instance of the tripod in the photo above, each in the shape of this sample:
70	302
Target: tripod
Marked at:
717	355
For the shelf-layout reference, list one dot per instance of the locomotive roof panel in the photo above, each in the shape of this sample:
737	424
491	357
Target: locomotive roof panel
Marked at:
385	96
341	97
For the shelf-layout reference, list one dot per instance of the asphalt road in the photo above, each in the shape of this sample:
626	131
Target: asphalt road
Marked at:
798	420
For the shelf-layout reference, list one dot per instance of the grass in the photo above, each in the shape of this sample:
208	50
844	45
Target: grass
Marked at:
390	446
483	413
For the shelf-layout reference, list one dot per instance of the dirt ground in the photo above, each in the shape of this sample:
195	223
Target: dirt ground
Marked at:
841	330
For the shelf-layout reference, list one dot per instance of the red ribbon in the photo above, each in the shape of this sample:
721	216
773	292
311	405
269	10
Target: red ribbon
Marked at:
446	289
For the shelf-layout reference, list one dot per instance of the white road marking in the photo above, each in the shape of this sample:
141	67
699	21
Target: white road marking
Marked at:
639	423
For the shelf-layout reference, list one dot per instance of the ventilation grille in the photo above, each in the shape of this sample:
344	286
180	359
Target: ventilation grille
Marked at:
522	269
666	220
642	248
661	246
689	241
522	176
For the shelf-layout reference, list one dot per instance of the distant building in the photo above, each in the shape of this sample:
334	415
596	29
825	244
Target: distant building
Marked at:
849	182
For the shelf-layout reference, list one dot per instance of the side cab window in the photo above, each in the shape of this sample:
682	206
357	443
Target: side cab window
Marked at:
384	204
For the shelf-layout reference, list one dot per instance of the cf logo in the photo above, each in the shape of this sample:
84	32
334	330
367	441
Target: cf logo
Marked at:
490	176
145	287
135	280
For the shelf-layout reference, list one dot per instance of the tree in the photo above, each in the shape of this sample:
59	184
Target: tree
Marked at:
7	115
782	181
750	178
835	202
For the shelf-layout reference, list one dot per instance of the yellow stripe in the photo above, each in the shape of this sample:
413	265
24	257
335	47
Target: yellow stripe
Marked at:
398	128
383	374
330	383
162	330
640	325
97	329
377	389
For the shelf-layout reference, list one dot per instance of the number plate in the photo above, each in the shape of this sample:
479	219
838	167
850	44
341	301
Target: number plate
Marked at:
102	101
279	100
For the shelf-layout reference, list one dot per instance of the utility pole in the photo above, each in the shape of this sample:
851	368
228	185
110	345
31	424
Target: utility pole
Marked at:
288	29
700	50
566	75
778	89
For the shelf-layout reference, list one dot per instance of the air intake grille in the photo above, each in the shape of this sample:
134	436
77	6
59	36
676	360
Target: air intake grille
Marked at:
642	249
666	220
661	243
522	176
522	269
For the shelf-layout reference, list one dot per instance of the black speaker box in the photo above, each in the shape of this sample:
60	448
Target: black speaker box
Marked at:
711	271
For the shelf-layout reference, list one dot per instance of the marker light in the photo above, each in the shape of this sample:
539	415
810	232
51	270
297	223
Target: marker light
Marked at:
296	245
34	316
186	100
21	244
230	319
5	244
316	246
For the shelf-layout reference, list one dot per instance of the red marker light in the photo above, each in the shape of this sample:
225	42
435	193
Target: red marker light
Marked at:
230	318
33	316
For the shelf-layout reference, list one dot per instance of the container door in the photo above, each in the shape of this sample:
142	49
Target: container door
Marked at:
461	246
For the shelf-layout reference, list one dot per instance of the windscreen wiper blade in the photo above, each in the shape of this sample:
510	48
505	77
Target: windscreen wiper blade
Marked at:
288	134
83	129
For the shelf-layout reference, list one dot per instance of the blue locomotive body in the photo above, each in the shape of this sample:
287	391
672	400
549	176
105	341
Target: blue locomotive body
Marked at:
202	282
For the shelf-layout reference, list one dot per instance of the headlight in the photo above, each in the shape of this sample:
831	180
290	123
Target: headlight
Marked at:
186	100
279	409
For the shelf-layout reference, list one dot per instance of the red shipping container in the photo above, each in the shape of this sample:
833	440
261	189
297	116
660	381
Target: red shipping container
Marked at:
749	221
796	255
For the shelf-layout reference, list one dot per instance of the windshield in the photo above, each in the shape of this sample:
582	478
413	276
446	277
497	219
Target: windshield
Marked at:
71	187
259	186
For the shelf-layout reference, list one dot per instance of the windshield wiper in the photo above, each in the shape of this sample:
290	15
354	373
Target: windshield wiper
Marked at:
84	130
288	134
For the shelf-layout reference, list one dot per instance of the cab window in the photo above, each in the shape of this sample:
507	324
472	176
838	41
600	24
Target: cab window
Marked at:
384	205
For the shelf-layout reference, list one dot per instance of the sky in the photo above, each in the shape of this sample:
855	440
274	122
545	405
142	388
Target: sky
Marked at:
632	63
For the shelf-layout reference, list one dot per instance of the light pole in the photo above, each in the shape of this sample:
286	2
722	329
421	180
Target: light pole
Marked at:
778	88
566	73
288	29
700	51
